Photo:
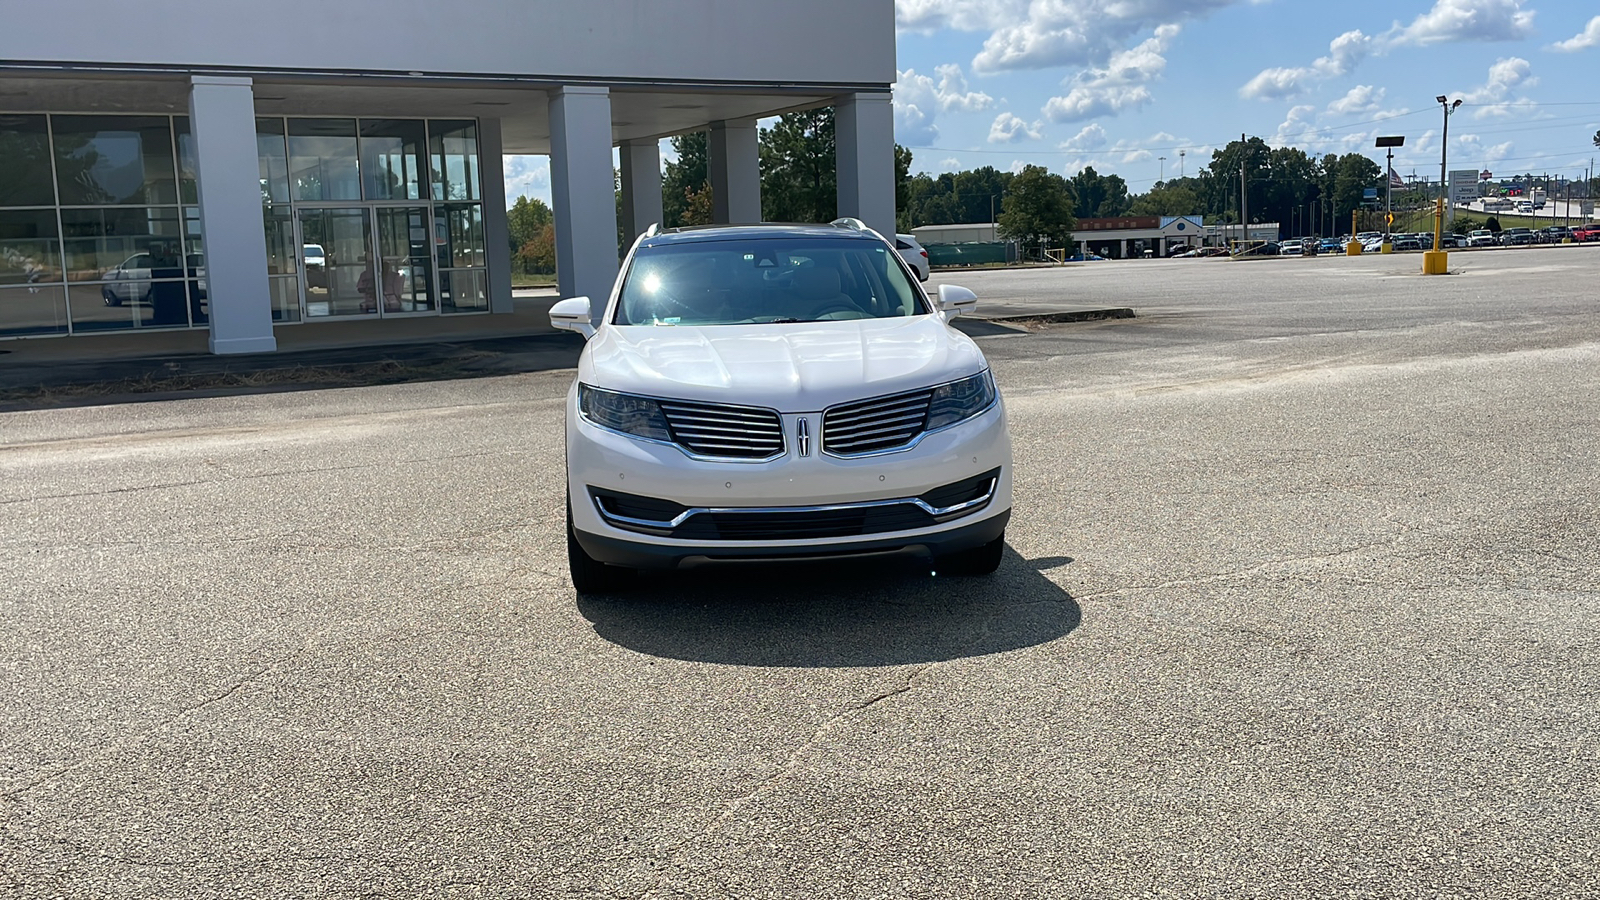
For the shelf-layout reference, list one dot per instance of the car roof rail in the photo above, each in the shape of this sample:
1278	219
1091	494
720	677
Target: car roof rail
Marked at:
653	230
850	223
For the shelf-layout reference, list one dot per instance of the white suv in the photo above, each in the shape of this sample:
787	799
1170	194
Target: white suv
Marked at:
778	392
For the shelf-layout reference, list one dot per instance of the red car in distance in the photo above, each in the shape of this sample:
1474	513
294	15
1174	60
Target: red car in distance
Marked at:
1588	231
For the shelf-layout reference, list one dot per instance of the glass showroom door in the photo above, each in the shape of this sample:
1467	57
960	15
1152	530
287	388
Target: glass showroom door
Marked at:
336	257
405	260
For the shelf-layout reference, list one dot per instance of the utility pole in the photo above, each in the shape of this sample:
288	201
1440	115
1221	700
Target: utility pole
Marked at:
1163	168
1181	155
1388	180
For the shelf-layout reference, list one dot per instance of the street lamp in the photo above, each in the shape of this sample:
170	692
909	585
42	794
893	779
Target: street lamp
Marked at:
1444	154
1389	143
1163	168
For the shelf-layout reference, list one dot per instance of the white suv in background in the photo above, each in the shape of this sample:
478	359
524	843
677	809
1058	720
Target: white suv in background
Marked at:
778	392
914	254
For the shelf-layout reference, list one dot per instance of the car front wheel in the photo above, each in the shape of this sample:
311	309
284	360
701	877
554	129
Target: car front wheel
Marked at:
589	575
110	296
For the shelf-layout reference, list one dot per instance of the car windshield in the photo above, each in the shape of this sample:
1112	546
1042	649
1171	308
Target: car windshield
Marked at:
765	280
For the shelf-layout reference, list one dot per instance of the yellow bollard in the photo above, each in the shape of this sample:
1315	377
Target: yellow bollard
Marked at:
1386	248
1436	262
1352	249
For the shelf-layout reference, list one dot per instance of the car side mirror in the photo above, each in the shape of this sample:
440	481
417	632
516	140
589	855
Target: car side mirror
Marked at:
573	314
955	301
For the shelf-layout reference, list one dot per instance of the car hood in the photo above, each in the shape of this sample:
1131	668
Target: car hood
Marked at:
803	367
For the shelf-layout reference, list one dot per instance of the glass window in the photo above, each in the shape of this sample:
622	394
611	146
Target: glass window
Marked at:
453	147
105	244
285	298
274	158
391	158
720	282
281	256
29	251
36	309
25	162
188	165
464	291
458	235
322	160
105	160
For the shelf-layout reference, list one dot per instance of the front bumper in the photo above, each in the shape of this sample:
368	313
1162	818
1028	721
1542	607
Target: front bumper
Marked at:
719	509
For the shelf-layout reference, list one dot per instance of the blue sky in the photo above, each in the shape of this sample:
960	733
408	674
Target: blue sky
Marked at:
1117	84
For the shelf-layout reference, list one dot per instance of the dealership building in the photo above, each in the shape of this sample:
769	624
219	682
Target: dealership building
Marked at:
240	169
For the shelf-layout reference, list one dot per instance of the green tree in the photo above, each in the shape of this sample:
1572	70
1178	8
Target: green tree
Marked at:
1099	196
685	176
526	219
902	187
799	181
1353	174
1038	209
1177	197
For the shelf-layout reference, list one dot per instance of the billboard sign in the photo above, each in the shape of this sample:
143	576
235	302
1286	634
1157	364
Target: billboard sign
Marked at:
1463	186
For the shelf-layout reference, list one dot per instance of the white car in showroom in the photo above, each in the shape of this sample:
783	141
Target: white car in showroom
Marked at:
778	392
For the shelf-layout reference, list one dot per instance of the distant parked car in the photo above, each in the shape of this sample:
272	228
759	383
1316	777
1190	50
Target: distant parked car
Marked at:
1553	234
1265	248
1516	237
1408	242
1481	238
316	265
1331	245
1291	247
911	251
1588	231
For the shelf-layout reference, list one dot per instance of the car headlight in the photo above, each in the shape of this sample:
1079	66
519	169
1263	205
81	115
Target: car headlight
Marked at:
638	416
960	400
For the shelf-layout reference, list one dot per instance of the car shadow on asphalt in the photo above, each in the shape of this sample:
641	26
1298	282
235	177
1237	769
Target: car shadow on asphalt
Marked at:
885	612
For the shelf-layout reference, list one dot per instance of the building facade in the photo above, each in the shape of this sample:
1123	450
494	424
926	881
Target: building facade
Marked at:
225	166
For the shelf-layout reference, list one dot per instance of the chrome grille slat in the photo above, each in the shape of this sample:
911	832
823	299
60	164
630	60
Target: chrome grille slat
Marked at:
734	432
876	425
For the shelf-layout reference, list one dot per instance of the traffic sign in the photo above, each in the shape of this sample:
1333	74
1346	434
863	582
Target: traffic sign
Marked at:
1388	219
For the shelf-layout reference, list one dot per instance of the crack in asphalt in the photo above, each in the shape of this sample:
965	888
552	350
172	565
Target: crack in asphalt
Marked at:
101	750
1251	572
790	766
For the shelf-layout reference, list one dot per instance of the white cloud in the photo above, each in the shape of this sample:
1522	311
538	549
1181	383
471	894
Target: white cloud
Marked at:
1038	34
1017	165
1363	98
1294	127
527	176
953	95
950	165
1494	97
1588	37
916	102
1465	20
1117	87
1009	129
1092	137
1472	148
1345	52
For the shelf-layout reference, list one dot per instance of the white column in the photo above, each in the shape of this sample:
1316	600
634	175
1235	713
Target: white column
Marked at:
222	118
582	185
864	134
734	158
496	229
641	185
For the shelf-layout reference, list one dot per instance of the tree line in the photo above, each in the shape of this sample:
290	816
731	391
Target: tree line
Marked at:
1305	194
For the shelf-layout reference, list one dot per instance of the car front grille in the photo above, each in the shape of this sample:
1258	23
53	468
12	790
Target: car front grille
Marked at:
728	432
877	425
665	518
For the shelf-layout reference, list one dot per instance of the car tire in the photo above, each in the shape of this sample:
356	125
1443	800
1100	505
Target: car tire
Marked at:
589	575
110	298
977	561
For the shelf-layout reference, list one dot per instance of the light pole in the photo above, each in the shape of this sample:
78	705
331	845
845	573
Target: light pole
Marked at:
1390	143
1163	168
1436	261
1181	155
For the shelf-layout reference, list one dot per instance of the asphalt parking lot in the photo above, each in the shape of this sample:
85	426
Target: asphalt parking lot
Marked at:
1300	601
